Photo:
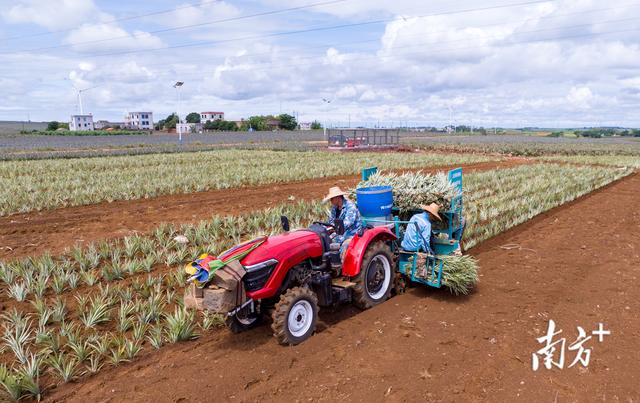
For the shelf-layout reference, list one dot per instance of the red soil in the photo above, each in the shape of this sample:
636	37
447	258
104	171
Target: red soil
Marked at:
33	233
578	265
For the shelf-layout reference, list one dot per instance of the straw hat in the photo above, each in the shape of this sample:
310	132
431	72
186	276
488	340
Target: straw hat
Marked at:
334	192
432	208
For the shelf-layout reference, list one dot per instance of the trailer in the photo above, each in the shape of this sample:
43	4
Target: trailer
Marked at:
446	240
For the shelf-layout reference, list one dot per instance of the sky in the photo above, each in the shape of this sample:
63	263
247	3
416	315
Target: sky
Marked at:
507	63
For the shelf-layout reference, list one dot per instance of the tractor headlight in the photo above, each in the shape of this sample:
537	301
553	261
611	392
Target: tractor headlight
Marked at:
258	274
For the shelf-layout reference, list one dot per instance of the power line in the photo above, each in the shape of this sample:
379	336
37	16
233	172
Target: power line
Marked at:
230	19
443	50
269	66
450	41
133	17
377	40
318	29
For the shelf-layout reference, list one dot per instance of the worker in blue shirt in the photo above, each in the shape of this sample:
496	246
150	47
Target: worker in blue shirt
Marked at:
345	210
417	236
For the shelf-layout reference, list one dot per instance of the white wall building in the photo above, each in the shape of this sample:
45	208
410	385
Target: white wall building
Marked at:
204	116
304	125
101	124
139	120
187	128
81	122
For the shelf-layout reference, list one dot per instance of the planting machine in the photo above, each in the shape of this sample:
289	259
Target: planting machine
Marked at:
294	273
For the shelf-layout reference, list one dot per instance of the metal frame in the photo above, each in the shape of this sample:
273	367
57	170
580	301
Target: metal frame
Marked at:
363	138
441	247
434	264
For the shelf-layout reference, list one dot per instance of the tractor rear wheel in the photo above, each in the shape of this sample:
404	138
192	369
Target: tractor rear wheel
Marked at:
375	280
295	316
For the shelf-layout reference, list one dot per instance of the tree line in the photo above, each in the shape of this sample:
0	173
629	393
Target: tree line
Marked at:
259	122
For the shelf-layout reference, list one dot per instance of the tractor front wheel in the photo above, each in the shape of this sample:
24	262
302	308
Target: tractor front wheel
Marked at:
243	320
295	316
375	280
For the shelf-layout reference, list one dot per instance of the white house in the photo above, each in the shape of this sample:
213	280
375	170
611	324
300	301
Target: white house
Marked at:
101	124
204	116
139	120
81	122
304	125
187	128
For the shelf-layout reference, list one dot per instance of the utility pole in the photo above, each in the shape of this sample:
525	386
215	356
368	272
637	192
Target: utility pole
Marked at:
177	86
324	126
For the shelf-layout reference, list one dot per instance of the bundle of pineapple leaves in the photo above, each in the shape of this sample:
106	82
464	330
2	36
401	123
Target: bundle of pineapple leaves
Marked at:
459	273
412	189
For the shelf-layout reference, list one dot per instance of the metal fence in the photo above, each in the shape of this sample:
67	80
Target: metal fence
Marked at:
363	138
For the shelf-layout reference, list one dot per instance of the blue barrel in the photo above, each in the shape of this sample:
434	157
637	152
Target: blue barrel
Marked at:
375	201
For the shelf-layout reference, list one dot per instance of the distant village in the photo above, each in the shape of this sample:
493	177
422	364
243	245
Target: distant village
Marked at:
194	122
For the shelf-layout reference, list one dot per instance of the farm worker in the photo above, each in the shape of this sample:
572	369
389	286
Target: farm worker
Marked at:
345	210
458	234
417	237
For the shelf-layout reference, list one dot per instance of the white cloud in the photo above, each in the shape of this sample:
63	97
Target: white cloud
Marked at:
52	14
188	14
490	66
334	57
110	73
85	66
347	91
580	97
108	37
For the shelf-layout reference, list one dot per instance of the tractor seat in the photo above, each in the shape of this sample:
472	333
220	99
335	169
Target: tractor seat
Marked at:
323	234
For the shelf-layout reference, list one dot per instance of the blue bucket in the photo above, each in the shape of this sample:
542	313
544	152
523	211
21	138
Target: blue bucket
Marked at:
375	201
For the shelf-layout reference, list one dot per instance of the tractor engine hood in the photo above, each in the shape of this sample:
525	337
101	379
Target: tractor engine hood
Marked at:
268	264
290	247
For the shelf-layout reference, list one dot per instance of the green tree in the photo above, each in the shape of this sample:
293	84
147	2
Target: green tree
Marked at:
211	125
287	122
220	125
255	123
193	117
53	125
315	125
170	121
230	126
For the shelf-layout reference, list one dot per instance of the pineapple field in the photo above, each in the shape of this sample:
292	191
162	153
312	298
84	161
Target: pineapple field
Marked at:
91	279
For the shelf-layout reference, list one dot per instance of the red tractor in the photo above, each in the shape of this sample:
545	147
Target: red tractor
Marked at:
294	273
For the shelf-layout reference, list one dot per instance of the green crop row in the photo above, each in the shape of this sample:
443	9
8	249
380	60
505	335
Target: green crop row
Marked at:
47	184
102	305
632	161
89	132
518	147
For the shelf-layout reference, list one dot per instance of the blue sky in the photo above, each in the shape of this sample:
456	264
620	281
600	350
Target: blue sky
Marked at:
503	62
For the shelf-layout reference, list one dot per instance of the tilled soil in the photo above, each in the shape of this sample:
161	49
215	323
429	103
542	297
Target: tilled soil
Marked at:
54	230
577	265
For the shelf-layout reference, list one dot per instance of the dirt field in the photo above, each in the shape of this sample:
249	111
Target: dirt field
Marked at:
33	233
578	265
